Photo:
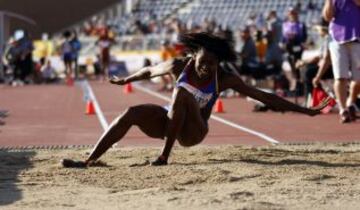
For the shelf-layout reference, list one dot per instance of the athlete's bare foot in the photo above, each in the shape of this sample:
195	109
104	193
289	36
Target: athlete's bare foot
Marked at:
68	163
160	161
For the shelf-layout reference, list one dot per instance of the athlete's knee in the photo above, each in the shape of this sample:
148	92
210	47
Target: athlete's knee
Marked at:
129	111
189	142
128	115
178	106
183	99
180	97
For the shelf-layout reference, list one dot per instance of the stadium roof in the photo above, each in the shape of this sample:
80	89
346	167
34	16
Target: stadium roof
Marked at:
51	15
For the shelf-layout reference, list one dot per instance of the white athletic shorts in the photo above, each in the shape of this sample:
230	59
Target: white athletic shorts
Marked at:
345	60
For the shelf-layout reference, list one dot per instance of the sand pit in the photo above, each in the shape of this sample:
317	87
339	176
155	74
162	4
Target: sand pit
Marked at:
318	176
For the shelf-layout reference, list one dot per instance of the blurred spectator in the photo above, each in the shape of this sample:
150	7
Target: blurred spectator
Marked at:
43	47
274	28
76	47
147	62
48	73
11	60
227	34
261	46
105	43
318	66
251	22
260	21
18	58
274	57
298	6
67	54
87	28
248	54
167	52
344	16
294	38
26	64
311	5
38	78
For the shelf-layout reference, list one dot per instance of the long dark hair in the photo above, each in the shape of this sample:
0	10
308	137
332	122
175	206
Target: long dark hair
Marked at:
219	46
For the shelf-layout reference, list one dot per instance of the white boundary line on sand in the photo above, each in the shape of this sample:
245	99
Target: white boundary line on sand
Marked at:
99	113
214	117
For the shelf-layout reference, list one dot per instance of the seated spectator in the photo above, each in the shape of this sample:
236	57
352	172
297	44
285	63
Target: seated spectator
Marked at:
294	38
269	57
317	66
248	55
167	52
261	46
48	73
37	76
274	55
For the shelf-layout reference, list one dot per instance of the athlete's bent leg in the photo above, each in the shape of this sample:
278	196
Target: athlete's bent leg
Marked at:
185	124
151	119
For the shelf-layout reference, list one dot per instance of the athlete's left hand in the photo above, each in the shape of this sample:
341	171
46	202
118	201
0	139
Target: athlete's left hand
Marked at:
317	110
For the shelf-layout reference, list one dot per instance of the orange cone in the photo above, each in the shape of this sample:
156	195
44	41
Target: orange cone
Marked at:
90	110
128	88
219	108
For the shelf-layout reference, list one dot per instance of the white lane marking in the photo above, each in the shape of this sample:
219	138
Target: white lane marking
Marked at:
89	94
214	117
245	129
153	93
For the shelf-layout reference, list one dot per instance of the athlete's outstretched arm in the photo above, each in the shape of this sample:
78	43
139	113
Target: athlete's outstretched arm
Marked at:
169	67
275	102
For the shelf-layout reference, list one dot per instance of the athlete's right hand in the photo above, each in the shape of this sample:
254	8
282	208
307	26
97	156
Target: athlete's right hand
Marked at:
117	81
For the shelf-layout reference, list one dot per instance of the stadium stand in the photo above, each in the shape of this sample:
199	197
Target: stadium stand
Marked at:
228	13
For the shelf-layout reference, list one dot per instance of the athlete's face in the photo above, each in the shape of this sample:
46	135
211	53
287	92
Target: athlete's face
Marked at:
206	64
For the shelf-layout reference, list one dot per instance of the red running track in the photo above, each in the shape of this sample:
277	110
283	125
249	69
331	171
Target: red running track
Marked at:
54	115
